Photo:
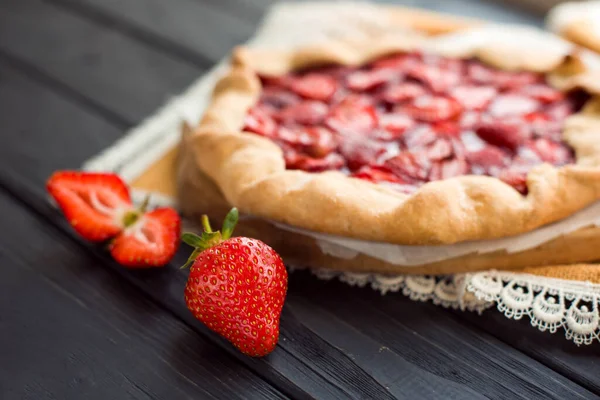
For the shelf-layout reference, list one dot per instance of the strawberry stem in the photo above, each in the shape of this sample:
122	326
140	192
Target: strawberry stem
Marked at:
206	224
131	217
145	203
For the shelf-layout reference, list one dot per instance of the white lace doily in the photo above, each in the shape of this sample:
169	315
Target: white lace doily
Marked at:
551	304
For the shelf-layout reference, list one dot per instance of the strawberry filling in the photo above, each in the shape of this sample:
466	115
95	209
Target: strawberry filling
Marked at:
408	119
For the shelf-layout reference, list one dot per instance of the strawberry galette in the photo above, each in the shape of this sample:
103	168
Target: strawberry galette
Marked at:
410	140
410	118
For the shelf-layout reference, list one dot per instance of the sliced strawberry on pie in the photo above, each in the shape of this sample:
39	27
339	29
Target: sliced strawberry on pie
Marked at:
400	62
259	121
410	166
407	119
560	110
352	116
489	160
322	143
436	78
432	108
447	129
419	137
360	151
277	97
542	93
439	150
314	86
370	79
377	174
446	169
316	141
507	134
515	80
394	125
403	91
308	112
473	97
550	151
297	160
510	105
515	178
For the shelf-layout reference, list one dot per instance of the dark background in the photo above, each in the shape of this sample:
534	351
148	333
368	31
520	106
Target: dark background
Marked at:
74	75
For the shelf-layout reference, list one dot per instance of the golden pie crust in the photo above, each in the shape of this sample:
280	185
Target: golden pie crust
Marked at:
250	171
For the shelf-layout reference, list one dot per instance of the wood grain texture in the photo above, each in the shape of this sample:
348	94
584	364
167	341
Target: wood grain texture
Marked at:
112	71
187	28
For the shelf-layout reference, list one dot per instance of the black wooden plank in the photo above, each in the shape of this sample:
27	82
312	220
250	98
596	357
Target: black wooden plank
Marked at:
317	353
113	71
199	30
71	329
435	341
580	364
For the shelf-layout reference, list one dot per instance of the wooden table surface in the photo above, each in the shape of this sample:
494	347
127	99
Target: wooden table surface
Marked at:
74	75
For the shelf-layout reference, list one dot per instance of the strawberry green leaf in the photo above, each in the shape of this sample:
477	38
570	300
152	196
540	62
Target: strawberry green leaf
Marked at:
210	239
192	239
192	258
229	224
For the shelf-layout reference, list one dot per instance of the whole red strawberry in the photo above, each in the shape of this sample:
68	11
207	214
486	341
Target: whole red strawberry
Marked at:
99	207
236	287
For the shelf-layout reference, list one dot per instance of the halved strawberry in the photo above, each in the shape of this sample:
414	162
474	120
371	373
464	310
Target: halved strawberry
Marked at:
432	108
93	203
314	86
308	112
150	241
